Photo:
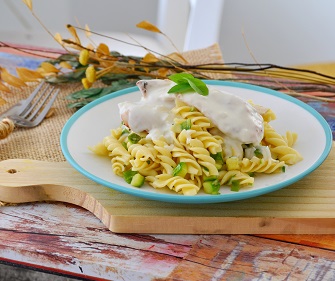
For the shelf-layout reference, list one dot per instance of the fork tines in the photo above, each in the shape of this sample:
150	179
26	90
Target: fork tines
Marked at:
38	101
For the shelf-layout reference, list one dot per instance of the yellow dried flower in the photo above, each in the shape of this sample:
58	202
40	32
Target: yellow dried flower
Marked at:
91	74
163	72
102	50
73	32
29	4
59	39
11	79
88	32
149	57
65	64
84	56
148	26
87	84
28	75
48	67
4	88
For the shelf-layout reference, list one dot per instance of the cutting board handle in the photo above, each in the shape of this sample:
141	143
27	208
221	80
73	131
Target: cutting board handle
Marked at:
25	180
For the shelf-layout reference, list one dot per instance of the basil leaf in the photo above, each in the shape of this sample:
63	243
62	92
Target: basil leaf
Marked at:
198	86
180	77
186	83
180	88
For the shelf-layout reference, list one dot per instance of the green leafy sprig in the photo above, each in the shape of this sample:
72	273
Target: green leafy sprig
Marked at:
187	83
81	98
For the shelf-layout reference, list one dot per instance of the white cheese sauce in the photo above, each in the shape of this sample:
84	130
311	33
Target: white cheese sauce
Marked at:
153	112
232	115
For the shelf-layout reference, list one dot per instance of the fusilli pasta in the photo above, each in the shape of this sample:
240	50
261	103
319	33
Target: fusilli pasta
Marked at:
200	147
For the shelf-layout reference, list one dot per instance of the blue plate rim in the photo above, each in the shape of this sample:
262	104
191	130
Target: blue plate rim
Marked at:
199	199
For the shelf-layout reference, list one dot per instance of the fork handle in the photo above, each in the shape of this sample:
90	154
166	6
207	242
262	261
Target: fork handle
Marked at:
7	126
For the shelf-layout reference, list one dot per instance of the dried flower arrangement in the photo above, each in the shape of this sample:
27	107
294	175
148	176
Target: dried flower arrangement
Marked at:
89	64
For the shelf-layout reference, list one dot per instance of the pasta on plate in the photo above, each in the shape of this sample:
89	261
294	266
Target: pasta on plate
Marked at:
193	154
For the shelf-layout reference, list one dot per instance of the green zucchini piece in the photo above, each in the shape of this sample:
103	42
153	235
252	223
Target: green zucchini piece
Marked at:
218	166
212	187
180	170
137	180
233	163
186	125
218	160
235	186
128	175
134	138
258	153
210	178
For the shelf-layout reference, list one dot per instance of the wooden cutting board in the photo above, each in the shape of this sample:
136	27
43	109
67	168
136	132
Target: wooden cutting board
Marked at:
306	207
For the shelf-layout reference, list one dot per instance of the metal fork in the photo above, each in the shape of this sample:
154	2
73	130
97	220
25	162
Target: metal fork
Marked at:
31	111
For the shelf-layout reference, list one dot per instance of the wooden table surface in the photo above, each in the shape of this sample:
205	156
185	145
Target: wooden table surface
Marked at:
65	239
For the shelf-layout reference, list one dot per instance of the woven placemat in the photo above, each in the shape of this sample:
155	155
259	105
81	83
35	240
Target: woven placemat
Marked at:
43	141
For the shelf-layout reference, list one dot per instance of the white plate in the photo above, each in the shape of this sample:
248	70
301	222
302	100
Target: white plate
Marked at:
89	125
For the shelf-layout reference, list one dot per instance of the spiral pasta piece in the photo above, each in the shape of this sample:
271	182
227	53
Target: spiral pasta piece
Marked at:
120	157
258	165
243	179
178	184
196	180
116	133
268	116
272	137
198	120
181	155
165	156
143	159
142	152
287	154
213	145
203	157
99	149
290	138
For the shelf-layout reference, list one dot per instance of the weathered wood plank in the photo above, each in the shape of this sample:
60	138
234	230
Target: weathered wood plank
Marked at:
236	257
318	241
68	239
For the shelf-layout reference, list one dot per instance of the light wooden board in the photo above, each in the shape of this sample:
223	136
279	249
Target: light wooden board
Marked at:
306	207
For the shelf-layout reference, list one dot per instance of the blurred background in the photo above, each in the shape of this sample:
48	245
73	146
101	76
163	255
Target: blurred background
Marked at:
278	31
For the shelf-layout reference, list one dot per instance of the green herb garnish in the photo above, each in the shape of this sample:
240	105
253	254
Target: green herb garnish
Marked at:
128	175
235	186
258	153
212	187
125	130
186	125
180	170
217	156
134	138
124	144
187	83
